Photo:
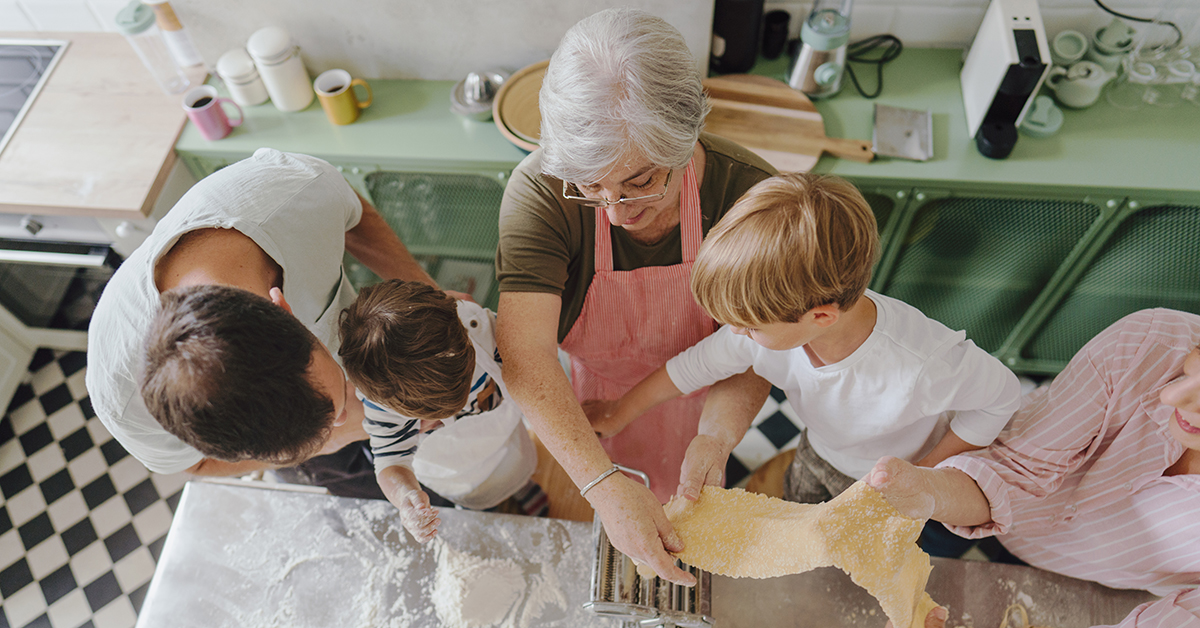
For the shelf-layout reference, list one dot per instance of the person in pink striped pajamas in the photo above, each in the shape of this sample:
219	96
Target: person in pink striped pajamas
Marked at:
1097	476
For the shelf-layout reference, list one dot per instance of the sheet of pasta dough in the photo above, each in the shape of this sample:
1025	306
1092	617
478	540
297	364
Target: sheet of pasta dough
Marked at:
747	535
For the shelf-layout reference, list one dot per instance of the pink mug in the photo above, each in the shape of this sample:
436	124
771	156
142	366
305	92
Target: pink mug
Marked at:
203	107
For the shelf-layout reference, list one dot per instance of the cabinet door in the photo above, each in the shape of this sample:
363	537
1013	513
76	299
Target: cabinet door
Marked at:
979	262
1151	259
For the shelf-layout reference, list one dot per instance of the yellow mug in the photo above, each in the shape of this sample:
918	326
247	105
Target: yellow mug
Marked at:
335	89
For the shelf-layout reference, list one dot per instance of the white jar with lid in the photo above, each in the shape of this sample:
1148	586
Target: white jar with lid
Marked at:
237	70
278	60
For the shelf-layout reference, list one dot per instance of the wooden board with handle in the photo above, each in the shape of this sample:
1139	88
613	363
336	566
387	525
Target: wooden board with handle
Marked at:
775	121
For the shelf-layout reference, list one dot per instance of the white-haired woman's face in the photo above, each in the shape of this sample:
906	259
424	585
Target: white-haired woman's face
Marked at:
634	178
1184	395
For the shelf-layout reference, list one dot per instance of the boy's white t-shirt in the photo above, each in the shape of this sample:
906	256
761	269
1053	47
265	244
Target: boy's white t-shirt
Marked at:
297	208
895	395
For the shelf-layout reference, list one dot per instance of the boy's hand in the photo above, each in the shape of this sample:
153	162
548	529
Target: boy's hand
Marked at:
704	463
418	517
602	414
935	619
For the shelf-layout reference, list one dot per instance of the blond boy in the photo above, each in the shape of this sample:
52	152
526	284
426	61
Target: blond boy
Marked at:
427	369
786	273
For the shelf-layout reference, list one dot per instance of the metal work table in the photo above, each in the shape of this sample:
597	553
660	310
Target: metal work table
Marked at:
248	556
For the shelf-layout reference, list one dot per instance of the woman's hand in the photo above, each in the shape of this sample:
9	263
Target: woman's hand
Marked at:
904	486
637	526
946	494
603	415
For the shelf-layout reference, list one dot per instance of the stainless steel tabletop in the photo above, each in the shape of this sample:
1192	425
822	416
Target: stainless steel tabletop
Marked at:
245	556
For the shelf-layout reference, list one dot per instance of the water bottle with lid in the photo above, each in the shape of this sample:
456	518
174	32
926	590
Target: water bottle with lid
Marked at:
278	60
136	22
822	57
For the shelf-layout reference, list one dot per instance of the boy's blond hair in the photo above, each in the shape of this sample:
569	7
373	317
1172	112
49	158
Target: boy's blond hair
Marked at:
791	243
404	346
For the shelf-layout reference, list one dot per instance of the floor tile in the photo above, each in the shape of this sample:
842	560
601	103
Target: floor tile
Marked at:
122	542
68	511
36	530
66	421
76	443
72	363
91	563
46	557
57	486
102	590
24	605
26	505
153	522
15	481
141	496
77	386
10	548
98	491
27	417
58	584
45	463
56	399
118	614
79	536
99	433
127	473
111	516
70	611
35	439
113	452
46	379
87	468
11	456
15	577
135	569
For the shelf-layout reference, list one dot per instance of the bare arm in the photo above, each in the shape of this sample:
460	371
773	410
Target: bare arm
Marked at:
610	417
728	412
399	484
373	243
634	520
950	445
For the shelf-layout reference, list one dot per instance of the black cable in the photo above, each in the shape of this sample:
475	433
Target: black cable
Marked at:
860	51
1144	20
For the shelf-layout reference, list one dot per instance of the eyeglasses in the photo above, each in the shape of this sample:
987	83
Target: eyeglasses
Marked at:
588	201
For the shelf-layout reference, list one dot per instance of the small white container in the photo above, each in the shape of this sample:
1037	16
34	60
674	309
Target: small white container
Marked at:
237	70
277	58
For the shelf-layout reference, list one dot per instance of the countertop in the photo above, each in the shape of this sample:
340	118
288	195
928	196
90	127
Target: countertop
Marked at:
238	554
1101	149
98	140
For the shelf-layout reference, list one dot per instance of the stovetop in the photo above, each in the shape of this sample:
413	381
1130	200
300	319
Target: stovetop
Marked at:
25	64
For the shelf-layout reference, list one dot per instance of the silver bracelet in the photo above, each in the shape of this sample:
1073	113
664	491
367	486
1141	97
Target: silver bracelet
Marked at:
599	478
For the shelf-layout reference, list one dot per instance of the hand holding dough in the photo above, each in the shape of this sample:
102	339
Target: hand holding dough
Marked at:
739	534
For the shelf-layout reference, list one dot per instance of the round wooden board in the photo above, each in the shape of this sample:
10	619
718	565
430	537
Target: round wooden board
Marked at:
515	109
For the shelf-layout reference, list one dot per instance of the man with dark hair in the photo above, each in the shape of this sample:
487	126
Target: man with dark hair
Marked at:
273	224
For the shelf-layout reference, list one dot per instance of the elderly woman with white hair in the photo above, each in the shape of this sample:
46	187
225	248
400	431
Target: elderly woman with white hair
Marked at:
598	230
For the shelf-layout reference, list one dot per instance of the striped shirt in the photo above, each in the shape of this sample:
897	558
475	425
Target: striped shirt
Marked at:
1076	482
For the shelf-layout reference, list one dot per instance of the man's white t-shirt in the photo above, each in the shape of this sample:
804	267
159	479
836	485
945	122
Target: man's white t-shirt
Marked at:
295	207
895	395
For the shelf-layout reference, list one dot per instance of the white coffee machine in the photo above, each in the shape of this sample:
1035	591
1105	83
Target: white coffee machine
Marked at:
1003	70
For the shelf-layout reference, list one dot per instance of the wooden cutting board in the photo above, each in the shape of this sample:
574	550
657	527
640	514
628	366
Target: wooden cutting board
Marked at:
775	121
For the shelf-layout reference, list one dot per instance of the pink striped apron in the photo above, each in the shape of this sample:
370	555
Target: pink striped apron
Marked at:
631	323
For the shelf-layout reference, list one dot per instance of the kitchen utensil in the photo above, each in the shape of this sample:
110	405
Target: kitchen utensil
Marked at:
472	97
516	107
1068	47
203	107
1004	68
775	121
282	70
136	22
736	25
335	89
903	133
620	592
1079	86
237	70
821	60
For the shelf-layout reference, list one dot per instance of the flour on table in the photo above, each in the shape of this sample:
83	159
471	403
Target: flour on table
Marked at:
474	592
740	534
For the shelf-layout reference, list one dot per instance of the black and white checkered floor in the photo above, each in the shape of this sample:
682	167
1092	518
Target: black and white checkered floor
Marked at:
81	521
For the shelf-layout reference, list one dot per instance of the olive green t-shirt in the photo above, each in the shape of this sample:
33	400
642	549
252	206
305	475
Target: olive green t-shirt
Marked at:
547	243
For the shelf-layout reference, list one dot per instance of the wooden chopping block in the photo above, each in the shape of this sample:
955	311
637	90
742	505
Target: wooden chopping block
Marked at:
775	121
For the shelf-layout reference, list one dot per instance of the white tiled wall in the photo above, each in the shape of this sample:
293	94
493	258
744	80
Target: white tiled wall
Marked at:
380	38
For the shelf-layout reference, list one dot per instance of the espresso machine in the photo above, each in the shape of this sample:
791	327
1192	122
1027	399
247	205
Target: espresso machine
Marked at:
1003	70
